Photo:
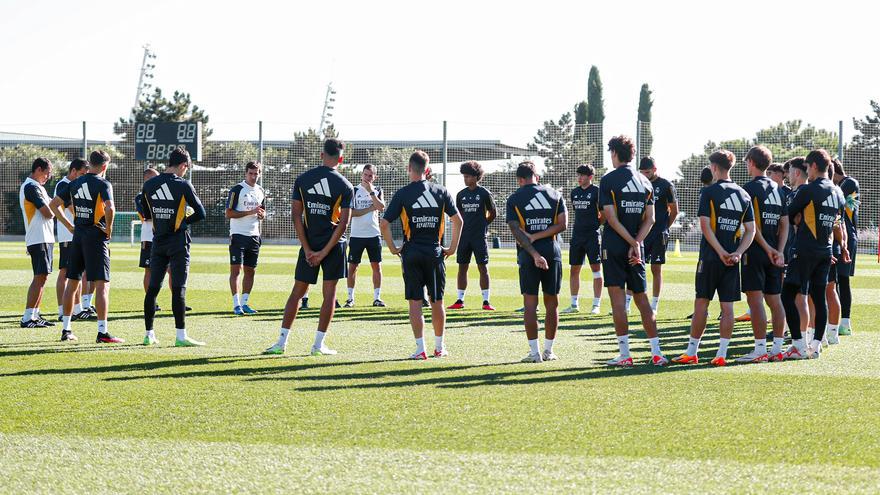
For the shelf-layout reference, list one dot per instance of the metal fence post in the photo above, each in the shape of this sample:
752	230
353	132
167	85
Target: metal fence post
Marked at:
260	152
85	143
840	140
638	142
444	153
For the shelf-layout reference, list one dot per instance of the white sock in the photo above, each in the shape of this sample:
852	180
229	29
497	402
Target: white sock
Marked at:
777	345
655	346
420	345
574	300
460	295
548	345
438	343
65	323
102	326
87	300
244	298
799	344
761	346
319	339
693	346
377	292
151	334
655	302
623	344
351	293
282	339
77	308
722	348
533	346
61	310
486	295
597	301
831	329
236	301
629	299
28	315
844	323
181	334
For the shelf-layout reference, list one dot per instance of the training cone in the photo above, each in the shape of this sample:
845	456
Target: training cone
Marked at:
677	252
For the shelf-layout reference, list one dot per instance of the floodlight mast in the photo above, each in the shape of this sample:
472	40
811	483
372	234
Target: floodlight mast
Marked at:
327	114
146	74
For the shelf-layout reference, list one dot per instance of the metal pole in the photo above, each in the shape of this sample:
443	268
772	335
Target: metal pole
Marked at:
638	141
85	143
444	153
260	152
840	140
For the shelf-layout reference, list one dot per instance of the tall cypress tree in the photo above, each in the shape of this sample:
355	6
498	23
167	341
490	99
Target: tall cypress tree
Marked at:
646	139
595	112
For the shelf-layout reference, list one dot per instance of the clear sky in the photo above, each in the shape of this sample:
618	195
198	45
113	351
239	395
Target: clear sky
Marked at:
494	70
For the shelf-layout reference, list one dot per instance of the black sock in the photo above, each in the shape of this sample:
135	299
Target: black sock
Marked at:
792	317
817	292
178	306
843	288
150	307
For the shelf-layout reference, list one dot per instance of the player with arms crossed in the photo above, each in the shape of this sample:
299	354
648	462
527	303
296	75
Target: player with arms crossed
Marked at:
77	168
245	207
477	208
173	205
422	207
536	214
585	238
724	209
627	200
368	201
665	213
321	208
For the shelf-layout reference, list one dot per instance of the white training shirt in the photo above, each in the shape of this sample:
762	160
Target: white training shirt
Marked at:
243	197
62	234
31	197
365	226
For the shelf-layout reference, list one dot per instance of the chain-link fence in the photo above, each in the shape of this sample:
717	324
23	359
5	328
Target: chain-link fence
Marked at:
558	148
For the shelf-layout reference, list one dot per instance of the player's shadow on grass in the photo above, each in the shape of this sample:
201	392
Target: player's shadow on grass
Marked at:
61	348
128	367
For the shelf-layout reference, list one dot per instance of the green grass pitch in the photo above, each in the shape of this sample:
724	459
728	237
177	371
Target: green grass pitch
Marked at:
85	418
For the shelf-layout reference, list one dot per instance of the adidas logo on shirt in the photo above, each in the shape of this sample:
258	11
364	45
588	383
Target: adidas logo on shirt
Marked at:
83	193
773	199
634	186
162	193
539	202
425	200
832	202
322	188
732	203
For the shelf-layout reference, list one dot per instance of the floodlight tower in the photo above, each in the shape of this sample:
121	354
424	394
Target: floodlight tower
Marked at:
326	114
146	74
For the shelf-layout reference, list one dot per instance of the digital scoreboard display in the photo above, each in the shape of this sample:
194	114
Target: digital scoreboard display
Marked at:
154	141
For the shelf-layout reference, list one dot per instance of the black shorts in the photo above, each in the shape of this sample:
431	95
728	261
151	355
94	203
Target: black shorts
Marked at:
63	255
760	274
424	267
244	249
41	257
530	277
848	269
146	252
715	276
357	245
832	272
655	248
618	272
173	255
476	246
808	270
584	248
89	253
333	266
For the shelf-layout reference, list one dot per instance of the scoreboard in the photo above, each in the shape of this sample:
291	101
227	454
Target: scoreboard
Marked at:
154	141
